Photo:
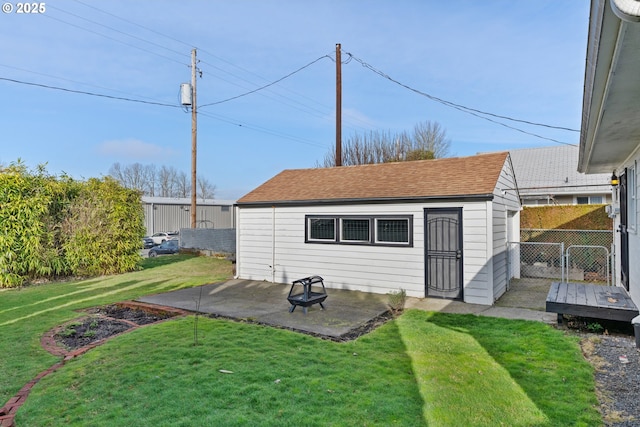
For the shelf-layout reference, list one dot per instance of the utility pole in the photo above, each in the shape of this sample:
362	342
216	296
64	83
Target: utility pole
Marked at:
338	106
194	139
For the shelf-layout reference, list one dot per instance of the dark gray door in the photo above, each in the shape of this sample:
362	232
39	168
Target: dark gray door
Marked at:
624	233
443	252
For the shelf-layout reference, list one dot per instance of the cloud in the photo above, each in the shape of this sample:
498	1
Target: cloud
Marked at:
134	149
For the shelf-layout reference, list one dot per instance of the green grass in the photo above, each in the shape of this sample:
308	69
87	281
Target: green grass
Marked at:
26	314
422	369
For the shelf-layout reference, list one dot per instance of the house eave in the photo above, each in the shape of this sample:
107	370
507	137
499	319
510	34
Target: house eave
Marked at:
610	130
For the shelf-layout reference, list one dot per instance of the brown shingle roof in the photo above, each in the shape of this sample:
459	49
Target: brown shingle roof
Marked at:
448	177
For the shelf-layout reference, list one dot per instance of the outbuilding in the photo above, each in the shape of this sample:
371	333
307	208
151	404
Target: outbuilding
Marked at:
434	228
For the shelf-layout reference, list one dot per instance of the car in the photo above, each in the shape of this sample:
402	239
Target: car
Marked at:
165	248
163	236
147	242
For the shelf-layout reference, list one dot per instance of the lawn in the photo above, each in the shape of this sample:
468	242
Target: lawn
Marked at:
422	369
26	314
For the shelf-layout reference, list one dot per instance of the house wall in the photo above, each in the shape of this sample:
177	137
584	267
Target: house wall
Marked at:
271	246
634	232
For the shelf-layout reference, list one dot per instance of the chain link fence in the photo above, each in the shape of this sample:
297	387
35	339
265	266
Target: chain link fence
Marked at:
566	255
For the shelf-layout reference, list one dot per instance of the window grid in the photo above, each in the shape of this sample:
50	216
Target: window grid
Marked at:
382	230
323	229
356	230
392	230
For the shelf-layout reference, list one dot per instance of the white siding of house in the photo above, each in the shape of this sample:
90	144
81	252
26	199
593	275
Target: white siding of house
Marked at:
263	243
634	239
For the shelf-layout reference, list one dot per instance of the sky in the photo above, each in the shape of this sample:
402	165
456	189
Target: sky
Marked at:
516	59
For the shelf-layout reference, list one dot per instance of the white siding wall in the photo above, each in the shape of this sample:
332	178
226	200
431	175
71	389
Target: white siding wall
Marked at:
263	243
477	253
634	240
505	199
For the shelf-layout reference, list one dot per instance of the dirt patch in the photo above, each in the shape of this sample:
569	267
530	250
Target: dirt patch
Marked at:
106	321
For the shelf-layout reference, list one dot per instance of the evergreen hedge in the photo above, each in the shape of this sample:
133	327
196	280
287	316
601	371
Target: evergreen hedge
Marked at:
54	227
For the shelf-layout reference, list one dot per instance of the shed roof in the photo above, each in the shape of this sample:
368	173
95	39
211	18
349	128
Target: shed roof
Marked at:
439	178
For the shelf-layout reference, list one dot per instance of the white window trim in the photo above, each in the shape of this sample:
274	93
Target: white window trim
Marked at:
384	242
335	229
373	230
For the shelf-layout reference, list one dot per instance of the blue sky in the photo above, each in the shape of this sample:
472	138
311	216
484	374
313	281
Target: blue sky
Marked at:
519	59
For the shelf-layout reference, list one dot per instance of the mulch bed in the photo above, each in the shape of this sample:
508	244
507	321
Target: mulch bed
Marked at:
610	347
104	322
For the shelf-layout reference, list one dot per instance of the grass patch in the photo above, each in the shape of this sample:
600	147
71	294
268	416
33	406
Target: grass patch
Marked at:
155	376
421	369
27	313
483	371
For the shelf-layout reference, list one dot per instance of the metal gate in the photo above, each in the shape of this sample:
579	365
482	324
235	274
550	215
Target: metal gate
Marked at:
443	252
551	261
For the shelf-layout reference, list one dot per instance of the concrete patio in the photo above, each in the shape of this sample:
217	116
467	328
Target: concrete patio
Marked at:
345	311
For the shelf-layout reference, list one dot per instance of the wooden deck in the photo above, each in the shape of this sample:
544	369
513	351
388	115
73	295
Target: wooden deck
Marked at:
595	301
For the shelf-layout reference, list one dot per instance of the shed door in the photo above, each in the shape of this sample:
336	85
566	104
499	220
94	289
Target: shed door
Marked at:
443	252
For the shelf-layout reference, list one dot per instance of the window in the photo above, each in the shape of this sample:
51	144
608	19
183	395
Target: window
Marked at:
384	230
323	229
392	230
589	200
225	208
595	200
356	230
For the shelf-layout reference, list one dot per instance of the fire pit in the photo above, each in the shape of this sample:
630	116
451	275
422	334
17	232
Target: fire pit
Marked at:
312	292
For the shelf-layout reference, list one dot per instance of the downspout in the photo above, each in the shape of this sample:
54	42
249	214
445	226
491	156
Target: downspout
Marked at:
238	259
273	245
153	218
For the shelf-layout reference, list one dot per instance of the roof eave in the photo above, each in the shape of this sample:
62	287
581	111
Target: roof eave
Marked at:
608	134
376	200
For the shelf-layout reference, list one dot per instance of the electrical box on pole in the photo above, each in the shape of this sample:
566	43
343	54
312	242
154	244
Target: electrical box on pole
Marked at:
185	94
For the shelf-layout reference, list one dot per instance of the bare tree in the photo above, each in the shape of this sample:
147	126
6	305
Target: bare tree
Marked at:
428	141
149	178
430	136
163	182
206	190
183	185
167	181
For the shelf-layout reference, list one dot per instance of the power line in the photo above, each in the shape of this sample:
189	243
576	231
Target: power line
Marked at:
213	116
187	44
269	84
301	106
118	31
74	81
119	98
112	38
463	108
262	130
133	23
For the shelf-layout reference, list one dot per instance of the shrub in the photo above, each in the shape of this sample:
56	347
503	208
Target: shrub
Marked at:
51	227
